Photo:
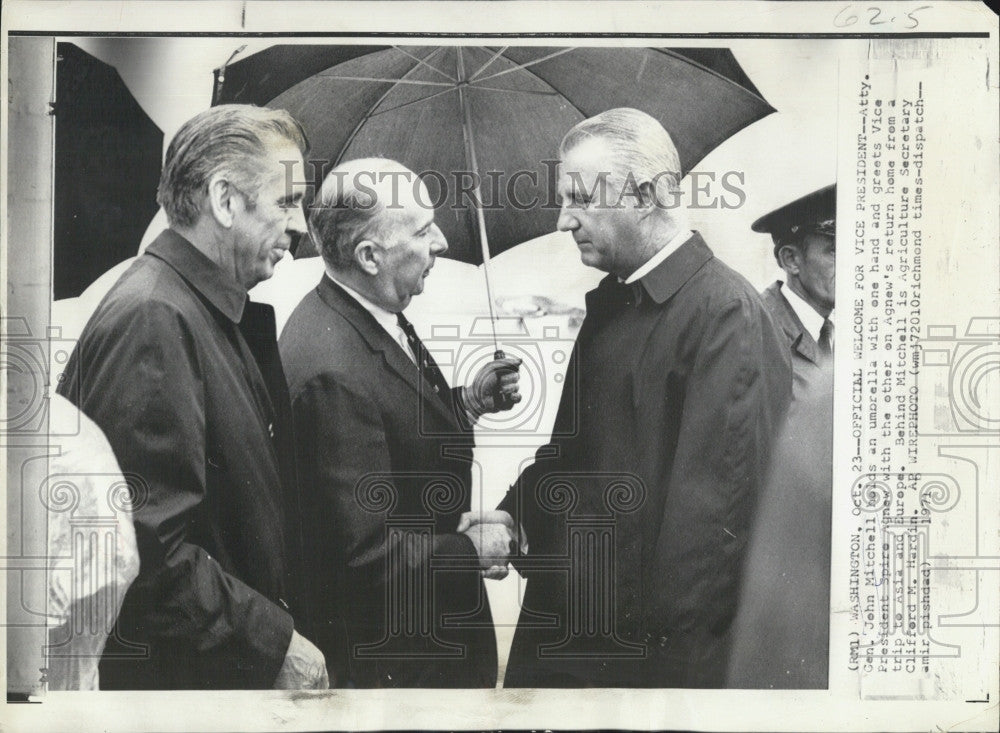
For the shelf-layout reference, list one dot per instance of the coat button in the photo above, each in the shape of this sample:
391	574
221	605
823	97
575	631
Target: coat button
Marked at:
270	429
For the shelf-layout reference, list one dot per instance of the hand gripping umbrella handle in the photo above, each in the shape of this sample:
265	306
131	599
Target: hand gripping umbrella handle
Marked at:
500	400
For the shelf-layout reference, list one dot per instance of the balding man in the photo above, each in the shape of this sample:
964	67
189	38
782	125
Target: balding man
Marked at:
385	448
182	374
673	394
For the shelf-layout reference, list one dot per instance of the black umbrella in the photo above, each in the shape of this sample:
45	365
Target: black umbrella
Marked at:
482	125
436	108
108	156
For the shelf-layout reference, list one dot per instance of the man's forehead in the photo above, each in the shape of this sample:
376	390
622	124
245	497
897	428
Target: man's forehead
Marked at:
581	179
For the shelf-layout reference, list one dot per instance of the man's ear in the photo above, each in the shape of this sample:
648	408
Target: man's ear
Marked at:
790	259
221	200
647	199
367	257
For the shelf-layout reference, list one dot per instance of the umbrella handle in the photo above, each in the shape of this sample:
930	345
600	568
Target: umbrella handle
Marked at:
500	400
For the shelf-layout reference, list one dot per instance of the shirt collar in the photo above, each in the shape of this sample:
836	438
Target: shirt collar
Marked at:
206	277
811	320
668	276
672	246
386	319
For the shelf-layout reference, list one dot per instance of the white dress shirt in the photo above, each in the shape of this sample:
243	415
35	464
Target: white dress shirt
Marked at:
390	322
386	319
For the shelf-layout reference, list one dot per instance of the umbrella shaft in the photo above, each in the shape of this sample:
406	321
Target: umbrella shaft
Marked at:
470	150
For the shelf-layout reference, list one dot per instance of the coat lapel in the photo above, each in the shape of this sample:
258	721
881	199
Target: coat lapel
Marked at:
380	342
806	347
781	310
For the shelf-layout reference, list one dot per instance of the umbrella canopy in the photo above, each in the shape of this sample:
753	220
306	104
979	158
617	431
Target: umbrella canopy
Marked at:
436	109
108	155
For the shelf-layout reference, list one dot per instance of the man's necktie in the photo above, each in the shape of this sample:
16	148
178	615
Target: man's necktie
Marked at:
825	342
425	362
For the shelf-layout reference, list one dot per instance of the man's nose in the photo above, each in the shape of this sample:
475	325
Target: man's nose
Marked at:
567	222
440	243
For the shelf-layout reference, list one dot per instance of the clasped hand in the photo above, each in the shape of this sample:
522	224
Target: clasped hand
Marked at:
496	539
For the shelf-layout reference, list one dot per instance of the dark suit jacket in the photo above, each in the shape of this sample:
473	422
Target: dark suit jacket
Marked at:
183	376
673	395
385	465
803	347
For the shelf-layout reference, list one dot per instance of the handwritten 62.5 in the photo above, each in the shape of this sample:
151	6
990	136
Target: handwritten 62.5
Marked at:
875	16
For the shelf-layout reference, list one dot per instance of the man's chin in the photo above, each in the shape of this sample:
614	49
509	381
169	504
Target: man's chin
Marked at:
259	275
591	260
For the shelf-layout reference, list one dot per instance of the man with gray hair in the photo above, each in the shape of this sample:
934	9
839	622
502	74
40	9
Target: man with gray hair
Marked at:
674	390
181	373
385	448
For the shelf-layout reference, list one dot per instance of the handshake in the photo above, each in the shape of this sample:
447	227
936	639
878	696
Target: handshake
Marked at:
496	539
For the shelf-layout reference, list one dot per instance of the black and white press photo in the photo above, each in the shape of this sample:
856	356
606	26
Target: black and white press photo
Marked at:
367	367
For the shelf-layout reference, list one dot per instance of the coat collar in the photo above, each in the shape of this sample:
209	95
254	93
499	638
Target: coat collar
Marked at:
379	341
667	278
788	321
218	288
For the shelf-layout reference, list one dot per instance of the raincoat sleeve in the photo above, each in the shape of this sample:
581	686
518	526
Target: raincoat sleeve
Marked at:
737	392
145	387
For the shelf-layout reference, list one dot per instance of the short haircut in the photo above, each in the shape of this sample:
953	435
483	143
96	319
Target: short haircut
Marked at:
641	147
788	239
795	237
230	138
348	207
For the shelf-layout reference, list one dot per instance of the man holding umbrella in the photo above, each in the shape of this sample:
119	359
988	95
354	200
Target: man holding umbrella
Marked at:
385	445
675	388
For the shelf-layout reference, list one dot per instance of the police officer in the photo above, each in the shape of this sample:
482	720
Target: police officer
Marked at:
804	235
